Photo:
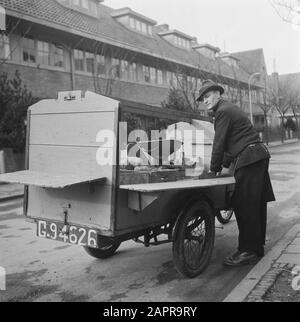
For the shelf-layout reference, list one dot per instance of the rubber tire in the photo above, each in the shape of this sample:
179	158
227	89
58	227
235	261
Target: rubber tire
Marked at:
104	252
223	220
179	257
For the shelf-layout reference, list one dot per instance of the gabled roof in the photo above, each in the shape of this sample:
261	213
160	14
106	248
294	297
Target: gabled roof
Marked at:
252	61
106	29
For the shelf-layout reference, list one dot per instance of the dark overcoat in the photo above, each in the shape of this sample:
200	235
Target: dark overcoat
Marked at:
237	141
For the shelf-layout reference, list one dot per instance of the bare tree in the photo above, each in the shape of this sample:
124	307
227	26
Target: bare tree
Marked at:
106	73
288	10
293	99
279	98
11	27
185	86
266	106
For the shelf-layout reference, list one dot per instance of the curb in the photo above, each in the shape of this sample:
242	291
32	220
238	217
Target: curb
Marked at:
281	144
260	270
12	197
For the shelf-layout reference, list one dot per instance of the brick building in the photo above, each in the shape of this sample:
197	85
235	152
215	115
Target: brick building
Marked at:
83	44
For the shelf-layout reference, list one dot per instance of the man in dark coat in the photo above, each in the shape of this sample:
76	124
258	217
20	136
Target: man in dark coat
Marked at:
237	141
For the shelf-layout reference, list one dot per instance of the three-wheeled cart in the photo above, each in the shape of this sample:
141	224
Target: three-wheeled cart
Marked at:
75	190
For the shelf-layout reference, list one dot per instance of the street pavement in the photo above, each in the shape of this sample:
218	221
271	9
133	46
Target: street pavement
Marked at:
43	270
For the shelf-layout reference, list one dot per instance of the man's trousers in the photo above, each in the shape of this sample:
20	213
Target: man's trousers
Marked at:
253	190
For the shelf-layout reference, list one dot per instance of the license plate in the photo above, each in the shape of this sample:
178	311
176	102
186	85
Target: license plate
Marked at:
67	233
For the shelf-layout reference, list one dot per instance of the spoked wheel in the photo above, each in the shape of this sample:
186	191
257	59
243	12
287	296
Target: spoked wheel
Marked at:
107	247
224	216
194	240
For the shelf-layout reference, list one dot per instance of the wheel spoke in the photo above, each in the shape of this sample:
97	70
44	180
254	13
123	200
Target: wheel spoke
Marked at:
194	241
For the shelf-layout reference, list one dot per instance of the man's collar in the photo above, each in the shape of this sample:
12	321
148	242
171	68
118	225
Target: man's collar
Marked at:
215	108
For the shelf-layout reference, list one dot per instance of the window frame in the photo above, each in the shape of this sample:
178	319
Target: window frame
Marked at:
43	53
79	58
31	51
5	47
146	74
54	56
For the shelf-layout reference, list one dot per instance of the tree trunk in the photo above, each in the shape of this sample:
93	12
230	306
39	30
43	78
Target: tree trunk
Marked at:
282	129
266	128
297	125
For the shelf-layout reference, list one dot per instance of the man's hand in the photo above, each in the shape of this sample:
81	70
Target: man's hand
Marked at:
207	175
225	171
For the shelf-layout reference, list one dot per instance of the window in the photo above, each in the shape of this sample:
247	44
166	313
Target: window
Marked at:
79	60
4	47
169	78
144	28
146	72
132	22
152	75
90	62
81	3
174	81
159	77
140	26
94	8
58	56
28	49
133	72
124	69
191	83
115	68
100	64
43	53
181	42
85	4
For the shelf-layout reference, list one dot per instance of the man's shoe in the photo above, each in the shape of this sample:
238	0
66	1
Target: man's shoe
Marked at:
241	258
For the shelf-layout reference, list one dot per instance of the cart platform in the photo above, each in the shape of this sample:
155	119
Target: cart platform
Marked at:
48	180
178	185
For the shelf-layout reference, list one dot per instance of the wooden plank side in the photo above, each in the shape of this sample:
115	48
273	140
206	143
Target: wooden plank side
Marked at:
179	185
69	160
46	180
84	207
159	112
78	129
135	220
91	103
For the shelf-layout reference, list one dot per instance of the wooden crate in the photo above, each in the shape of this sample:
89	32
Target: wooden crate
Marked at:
156	176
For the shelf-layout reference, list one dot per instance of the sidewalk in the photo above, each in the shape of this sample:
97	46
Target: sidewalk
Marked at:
276	278
278	143
11	191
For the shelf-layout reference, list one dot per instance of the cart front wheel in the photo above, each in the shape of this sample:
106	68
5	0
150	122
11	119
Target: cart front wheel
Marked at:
224	216
194	239
105	250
